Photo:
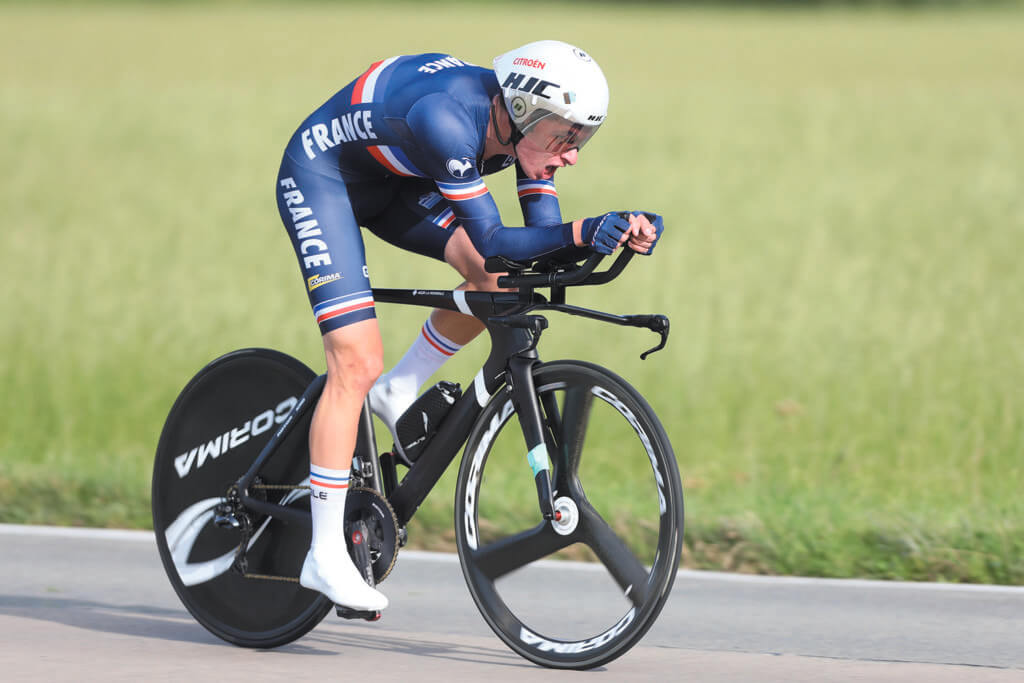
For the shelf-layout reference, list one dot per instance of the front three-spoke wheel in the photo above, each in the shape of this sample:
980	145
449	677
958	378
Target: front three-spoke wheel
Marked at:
618	501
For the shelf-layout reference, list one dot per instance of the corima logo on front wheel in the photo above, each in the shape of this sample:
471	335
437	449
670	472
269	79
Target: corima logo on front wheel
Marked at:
528	637
194	458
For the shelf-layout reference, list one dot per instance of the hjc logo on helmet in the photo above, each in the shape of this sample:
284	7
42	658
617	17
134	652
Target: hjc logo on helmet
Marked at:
532	84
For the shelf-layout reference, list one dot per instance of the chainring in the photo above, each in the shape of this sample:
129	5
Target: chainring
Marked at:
381	525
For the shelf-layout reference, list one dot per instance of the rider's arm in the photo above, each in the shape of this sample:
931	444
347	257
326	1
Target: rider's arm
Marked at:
538	200
475	209
448	135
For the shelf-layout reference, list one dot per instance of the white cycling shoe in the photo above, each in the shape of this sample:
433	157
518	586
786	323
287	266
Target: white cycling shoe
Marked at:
341	583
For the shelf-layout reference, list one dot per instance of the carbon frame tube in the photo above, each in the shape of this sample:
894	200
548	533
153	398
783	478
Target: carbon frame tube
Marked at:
428	468
444	447
308	401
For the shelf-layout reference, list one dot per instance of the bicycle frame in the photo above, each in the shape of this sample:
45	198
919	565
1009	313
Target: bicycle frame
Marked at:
514	335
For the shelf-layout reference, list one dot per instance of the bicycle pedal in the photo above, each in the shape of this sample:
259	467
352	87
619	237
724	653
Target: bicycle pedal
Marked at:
366	615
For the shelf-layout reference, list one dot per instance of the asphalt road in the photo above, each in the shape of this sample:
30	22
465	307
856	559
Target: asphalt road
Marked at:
94	605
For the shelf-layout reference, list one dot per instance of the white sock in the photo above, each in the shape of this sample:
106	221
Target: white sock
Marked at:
328	567
395	391
327	505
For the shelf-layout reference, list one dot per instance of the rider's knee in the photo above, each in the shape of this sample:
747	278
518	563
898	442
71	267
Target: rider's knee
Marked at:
354	362
479	280
463	257
353	370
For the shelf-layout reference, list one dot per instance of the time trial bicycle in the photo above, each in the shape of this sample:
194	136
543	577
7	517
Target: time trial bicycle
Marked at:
231	482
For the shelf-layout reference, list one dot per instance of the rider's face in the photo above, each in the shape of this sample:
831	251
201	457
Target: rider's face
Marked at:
539	163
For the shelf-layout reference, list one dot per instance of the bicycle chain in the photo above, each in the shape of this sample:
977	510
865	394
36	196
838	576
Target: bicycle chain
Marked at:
274	577
271	577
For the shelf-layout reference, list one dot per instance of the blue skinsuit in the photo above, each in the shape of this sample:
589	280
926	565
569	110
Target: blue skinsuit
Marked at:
400	151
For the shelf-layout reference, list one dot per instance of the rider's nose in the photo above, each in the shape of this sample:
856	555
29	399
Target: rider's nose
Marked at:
571	157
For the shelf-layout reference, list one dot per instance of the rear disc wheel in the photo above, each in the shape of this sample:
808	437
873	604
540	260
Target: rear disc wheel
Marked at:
216	429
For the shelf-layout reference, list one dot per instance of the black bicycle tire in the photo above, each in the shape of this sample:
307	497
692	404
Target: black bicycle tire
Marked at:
669	556
319	606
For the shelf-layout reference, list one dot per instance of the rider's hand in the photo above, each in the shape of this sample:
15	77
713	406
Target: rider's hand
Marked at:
604	234
644	229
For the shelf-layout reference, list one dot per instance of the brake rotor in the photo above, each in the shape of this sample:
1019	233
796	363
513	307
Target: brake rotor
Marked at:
373	509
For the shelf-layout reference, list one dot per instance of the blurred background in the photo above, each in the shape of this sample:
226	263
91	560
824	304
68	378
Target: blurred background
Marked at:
843	185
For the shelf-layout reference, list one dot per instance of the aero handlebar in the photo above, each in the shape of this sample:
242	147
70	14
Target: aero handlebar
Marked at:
520	275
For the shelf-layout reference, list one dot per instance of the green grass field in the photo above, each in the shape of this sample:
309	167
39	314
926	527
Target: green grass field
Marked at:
844	191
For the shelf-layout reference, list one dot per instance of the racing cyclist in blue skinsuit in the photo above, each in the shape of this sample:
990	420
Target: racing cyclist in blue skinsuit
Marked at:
403	150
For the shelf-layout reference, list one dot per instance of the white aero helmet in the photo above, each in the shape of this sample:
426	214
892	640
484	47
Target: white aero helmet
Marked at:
555	93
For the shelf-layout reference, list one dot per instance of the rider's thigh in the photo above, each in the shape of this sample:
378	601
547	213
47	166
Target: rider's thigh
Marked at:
317	212
461	255
418	219
421	220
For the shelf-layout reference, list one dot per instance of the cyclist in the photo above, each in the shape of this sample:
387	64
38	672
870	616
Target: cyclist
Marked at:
403	150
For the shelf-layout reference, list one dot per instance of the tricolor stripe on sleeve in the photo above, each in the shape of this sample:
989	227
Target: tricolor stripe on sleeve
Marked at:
362	93
527	188
395	160
460	192
343	305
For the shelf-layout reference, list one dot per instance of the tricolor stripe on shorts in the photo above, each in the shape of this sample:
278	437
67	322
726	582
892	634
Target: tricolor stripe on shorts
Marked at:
443	345
362	93
459	192
395	160
532	187
446	218
343	305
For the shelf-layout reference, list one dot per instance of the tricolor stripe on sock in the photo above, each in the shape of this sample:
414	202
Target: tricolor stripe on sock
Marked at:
443	345
319	478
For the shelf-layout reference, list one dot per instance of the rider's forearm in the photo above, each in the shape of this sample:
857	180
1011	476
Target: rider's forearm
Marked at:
521	244
476	211
538	199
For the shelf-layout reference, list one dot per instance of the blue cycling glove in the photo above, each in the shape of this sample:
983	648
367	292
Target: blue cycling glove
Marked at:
659	226
602	234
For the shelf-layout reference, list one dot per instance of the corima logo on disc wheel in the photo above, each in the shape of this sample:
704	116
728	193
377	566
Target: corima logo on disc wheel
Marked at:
194	458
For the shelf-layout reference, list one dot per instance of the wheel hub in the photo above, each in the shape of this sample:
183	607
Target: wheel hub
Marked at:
567	516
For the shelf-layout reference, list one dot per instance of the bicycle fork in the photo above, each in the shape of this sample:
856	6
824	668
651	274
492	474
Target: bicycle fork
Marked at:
524	397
